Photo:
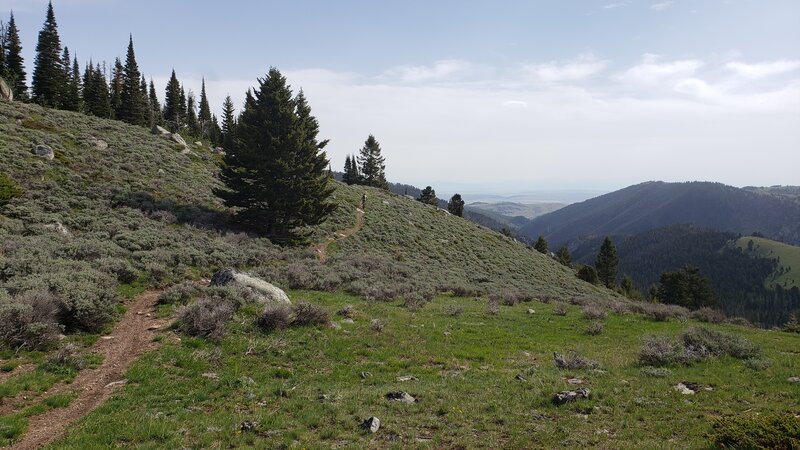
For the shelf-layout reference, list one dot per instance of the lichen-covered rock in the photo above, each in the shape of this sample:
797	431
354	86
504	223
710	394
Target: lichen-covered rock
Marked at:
43	151
266	292
6	94
560	398
372	424
400	396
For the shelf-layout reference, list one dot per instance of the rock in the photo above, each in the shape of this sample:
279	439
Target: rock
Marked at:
59	228
348	321
186	151
521	377
793	379
248	425
405	378
574	380
687	388
153	328
161	172
400	396
372	424
157	130
44	151
98	143
175	137
365	375
563	397
530	311
6	94
211	376
115	384
266	292
218	150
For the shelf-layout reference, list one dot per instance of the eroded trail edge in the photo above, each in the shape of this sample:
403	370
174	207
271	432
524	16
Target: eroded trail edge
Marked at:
132	336
322	248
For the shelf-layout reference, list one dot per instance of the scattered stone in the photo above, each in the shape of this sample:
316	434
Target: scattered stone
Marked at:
521	377
186	151
400	396
153	328
107	338
218	150
348	321
575	380
98	143
211	376
322	397
405	378
687	388
157	130
372	424
198	144
6	94
266	292
365	375
161	172
563	397
44	151
484	367
59	228
248	425
530	311
116	384
385	202
793	379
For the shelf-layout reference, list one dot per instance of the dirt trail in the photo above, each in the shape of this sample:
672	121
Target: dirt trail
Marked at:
322	248
132	336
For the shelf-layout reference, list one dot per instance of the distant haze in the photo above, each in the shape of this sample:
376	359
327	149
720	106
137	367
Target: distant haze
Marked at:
509	95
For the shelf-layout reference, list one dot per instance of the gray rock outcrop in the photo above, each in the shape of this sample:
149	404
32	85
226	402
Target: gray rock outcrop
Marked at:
264	291
560	398
372	424
6	94
400	396
44	151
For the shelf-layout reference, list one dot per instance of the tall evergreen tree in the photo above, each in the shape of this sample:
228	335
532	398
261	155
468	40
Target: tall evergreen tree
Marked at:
192	126
563	256
115	89
148	110
607	263
428	195
540	245
275	175
71	95
215	133
228	123
48	71
15	65
155	106
204	114
3	38
172	104
372	165
686	287
182	107
95	92
456	205
133	108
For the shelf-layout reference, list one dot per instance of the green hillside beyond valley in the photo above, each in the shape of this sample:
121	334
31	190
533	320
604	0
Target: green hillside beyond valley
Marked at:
787	274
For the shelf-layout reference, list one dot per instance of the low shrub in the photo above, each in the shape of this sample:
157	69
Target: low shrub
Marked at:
376	325
276	316
757	364
757	431
492	306
306	313
66	359
656	372
9	190
453	310
594	312
30	320
694	344
573	361
120	268
594	328
560	309
179	294
658	351
206	317
708	315
347	312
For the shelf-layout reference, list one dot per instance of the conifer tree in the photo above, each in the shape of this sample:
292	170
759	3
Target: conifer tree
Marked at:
215	133
115	89
148	110
48	71
15	66
95	92
71	98
3	37
155	106
192	126
540	245
133	108
347	176
372	165
182	107
456	205
275	175
607	263
204	114
228	123
428	196
172	104
563	256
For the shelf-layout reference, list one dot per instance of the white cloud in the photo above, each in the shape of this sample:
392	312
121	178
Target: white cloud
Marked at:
515	104
662	6
763	69
581	68
616	5
652	71
440	70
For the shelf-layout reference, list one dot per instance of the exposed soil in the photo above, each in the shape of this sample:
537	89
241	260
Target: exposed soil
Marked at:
322	248
19	370
132	336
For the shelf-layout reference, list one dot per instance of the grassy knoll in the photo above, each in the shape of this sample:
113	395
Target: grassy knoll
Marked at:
302	387
787	274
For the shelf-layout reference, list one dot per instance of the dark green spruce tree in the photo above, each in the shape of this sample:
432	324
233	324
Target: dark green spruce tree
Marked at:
350	175
48	70
228	123
95	92
563	256
172	104
372	165
275	175
3	66
155	106
607	264
133	104
182	103
115	89
686	287
71	98
540	245
192	125
428	196
15	65
204	114
456	205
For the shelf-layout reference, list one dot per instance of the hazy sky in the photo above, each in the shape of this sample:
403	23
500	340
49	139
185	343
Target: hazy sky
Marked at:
491	96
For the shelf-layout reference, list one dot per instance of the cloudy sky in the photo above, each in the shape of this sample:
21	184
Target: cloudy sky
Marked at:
491	96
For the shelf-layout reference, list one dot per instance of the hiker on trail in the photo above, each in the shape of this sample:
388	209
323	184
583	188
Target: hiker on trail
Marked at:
363	201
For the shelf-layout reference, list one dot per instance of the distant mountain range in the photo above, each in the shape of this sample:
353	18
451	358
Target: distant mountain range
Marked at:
773	212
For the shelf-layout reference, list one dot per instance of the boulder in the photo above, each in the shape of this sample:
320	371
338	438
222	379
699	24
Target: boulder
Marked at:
264	291
175	137
687	388
59	228
157	130
400	396
98	143
218	150
793	379
6	94
372	424
405	378
560	398
44	151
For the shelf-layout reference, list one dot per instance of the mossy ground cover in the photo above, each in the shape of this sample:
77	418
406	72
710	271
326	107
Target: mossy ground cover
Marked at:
303	387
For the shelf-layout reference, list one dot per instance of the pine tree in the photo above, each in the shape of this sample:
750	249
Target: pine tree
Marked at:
71	98
428	196
540	245
182	105
228	123
204	115
115	89
3	37
192	126
172	104
628	288
347	176
563	256
133	108
215	133
95	92
372	165
275	174
148	109
15	65
456	205
48	71
686	287
607	263
155	106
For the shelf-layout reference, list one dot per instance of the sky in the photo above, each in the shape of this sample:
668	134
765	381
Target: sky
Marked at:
491	97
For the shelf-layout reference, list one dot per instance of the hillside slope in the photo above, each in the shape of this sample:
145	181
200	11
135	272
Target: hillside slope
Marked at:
787	271
657	204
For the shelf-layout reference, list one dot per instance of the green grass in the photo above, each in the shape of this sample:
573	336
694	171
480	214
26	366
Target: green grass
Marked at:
12	426
467	391
788	271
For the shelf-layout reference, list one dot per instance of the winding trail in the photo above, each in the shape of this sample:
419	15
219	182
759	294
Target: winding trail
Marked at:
132	336
322	248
